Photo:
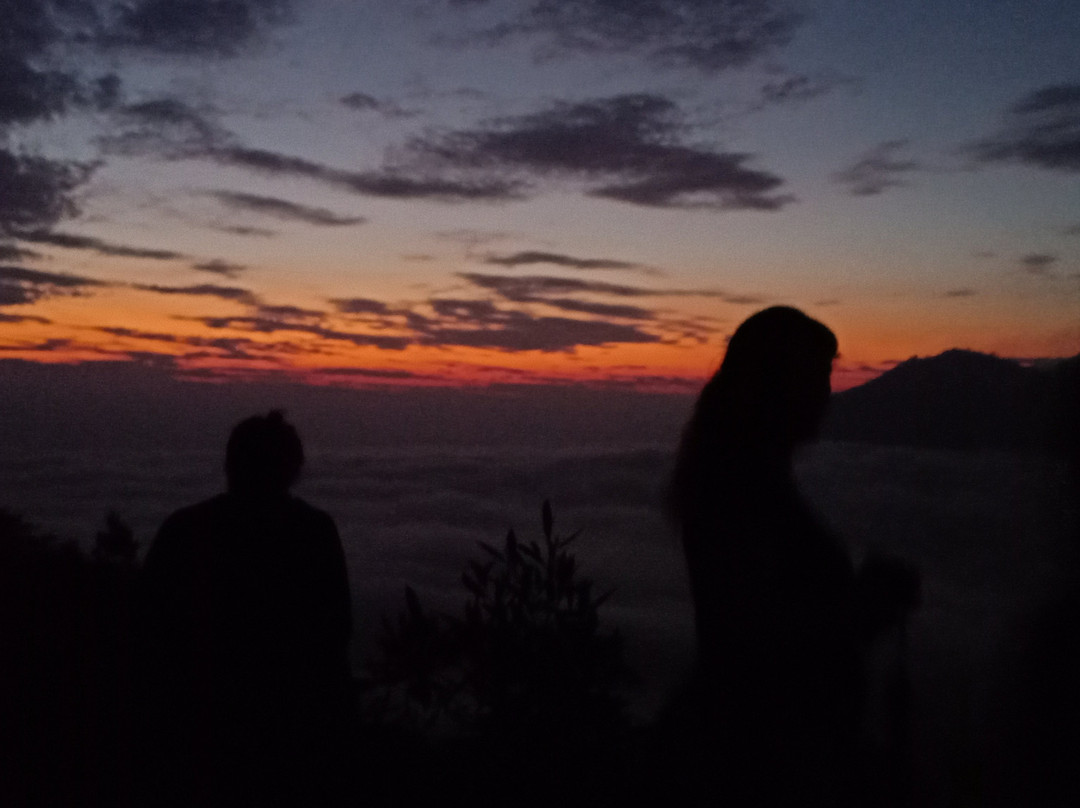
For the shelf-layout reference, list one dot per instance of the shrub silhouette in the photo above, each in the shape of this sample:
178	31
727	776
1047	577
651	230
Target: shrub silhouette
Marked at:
116	543
66	646
527	659
526	674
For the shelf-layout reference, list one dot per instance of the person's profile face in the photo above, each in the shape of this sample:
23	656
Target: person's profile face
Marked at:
811	391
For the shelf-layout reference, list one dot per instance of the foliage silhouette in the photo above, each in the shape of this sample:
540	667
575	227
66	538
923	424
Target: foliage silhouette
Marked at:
527	658
66	661
116	543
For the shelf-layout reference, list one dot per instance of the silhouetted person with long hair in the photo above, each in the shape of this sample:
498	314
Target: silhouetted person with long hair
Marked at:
248	622
781	615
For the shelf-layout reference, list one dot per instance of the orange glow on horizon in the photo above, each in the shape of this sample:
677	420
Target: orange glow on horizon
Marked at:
428	367
123	323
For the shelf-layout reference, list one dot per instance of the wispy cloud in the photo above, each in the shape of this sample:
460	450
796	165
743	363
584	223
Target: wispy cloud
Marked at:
511	330
1038	264
37	192
616	310
73	241
360	305
526	288
217	266
1042	129
707	35
166	127
796	88
530	257
172	129
290	314
270	325
624	148
533	288
33	91
516	321
878	169
965	292
13	252
242	230
233	293
238	348
382	374
39	82
472	238
20	285
363	102
42	346
193	27
391	183
283	209
6	317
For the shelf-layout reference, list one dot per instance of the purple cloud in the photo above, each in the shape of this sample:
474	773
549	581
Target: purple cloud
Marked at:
624	148
1042	129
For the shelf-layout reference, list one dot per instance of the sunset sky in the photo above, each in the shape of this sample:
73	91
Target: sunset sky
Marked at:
472	192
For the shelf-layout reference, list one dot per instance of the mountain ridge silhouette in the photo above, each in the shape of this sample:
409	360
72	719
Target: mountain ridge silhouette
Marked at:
962	399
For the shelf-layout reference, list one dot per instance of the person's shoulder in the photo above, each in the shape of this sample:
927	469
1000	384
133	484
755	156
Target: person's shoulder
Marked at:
192	515
180	537
310	514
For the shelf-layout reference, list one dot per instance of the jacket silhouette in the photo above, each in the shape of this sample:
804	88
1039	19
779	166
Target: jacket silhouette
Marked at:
248	622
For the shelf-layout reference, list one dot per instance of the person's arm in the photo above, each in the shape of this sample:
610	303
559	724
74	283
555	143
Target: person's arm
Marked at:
333	618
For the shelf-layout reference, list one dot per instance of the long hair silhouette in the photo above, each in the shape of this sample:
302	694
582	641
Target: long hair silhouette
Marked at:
768	396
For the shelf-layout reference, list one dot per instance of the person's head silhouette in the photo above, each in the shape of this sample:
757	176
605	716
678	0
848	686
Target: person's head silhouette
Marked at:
773	386
768	396
263	456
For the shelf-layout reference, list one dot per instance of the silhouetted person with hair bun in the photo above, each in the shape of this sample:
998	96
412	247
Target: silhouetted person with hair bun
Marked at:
263	457
781	615
248	621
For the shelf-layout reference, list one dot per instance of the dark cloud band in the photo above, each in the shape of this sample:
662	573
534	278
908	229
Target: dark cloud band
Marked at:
624	148
36	191
19	285
877	170
77	242
1042	129
529	257
284	209
708	35
233	293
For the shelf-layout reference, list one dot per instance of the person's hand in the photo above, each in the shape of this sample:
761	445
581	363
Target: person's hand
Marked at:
889	588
